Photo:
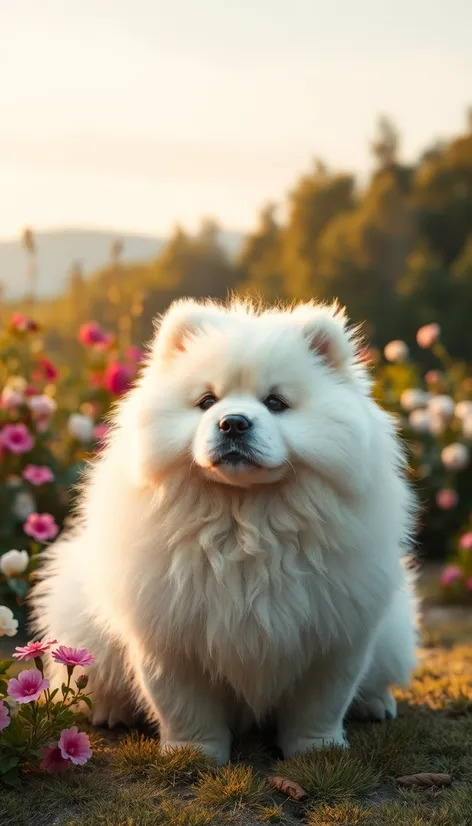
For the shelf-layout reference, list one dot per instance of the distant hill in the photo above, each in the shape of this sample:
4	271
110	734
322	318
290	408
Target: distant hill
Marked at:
58	249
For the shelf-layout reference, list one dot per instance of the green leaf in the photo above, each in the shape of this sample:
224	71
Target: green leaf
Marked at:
3	687
12	778
5	665
87	701
7	763
19	587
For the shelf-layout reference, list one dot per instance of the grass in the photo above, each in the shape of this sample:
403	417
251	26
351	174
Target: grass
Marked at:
132	782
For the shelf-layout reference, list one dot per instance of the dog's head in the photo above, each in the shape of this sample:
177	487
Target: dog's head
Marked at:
247	397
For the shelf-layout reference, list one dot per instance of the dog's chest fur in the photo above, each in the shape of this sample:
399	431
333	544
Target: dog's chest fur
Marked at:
245	591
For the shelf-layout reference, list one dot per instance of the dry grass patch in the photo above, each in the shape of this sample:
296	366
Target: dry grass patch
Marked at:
272	814
232	787
134	754
175	766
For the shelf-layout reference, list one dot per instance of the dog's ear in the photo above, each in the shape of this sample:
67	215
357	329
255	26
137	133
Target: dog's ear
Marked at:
183	319
326	331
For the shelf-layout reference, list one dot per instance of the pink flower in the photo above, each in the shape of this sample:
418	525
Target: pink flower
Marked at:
41	526
23	324
45	369
75	746
446	499
428	335
38	474
91	333
468	584
100	431
53	760
32	650
433	377
29	685
72	656
117	378
134	354
451	574
465	541
4	716
16	438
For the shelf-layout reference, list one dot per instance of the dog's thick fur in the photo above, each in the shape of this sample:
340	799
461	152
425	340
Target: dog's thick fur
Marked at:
213	593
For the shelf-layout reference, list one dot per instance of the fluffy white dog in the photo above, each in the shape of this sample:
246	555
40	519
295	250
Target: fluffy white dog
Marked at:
238	547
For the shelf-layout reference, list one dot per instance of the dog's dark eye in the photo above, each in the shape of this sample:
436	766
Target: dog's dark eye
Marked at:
275	404
207	401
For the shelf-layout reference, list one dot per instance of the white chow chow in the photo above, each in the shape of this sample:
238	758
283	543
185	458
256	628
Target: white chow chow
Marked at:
238	548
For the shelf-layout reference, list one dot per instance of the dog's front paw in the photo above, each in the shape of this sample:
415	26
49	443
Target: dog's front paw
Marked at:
111	714
298	745
218	750
374	707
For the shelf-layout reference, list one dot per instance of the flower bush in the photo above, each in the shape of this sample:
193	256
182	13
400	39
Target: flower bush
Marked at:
434	413
39	727
51	421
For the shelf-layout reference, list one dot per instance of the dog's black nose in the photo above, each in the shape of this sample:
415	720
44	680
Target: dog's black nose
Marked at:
234	425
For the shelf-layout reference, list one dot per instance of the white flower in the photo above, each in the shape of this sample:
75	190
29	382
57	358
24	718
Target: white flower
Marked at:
413	398
8	624
11	397
23	505
463	409
396	351
441	406
43	405
455	456
467	427
420	420
14	562
80	427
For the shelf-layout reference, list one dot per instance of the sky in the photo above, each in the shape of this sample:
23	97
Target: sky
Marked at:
133	115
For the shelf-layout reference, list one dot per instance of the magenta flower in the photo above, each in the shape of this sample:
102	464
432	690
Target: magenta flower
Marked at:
45	369
117	378
29	685
32	650
134	354
41	526
100	431
53	760
465	541
16	438
451	574
23	324
91	333
38	474
4	716
75	746
72	656
446	499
